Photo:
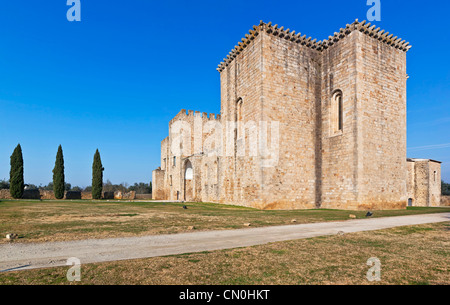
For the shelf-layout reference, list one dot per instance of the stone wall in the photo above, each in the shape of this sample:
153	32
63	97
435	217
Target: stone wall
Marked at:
181	148
5	194
86	195
339	162
410	181
424	182
71	195
381	138
421	183
127	195
290	95
240	177
435	191
445	201
275	75
143	196
48	195
27	194
159	185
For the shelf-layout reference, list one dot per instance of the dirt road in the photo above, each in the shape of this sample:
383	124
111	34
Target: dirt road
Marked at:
19	256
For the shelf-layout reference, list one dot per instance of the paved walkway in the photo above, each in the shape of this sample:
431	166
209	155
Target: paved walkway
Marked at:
19	256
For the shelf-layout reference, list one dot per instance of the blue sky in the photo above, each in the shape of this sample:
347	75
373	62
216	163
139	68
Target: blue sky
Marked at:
115	79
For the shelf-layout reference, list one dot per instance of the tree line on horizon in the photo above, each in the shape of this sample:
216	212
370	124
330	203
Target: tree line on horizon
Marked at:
16	183
445	188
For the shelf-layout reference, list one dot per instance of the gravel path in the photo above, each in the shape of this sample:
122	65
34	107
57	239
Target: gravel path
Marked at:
20	256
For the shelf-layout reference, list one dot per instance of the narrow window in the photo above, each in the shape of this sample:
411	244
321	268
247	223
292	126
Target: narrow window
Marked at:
174	160
337	113
239	117
170	180
215	173
435	174
240	111
339	98
205	175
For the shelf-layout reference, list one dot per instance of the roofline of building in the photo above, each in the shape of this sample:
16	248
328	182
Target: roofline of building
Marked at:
418	159
287	34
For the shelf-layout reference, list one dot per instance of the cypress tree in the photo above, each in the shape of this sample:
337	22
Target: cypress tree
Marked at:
16	182
58	175
97	176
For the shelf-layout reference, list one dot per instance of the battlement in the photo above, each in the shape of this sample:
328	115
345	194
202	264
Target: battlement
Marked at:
332	133
369	30
185	114
287	34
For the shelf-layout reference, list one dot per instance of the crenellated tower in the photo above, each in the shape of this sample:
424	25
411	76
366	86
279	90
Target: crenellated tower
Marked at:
328	119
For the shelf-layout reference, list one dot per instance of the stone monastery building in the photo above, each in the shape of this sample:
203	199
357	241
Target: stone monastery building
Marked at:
303	124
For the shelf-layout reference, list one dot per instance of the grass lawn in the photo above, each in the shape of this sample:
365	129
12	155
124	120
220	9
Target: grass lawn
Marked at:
408	255
40	221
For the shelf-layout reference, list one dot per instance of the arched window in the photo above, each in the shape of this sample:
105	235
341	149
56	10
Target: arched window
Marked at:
205	175
215	173
239	117
188	172
239	110
337	113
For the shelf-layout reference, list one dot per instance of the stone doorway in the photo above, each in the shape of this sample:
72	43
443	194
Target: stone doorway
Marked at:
410	202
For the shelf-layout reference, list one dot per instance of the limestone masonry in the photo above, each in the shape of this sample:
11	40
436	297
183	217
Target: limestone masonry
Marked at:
303	124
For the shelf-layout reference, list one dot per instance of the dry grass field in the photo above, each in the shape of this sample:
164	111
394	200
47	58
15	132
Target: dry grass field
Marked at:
41	221
408	255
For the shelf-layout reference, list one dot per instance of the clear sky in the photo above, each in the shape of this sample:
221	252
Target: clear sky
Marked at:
114	80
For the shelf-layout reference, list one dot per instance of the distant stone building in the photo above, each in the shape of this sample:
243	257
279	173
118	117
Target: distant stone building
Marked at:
303	124
424	182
